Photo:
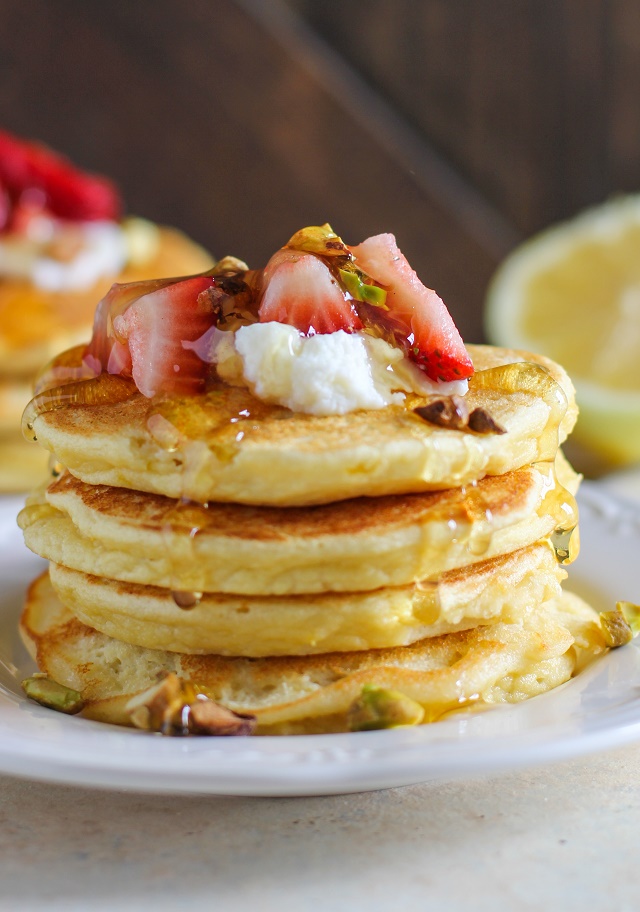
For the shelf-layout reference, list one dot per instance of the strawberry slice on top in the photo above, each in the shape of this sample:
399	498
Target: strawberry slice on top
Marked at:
300	290
154	328
139	331
416	317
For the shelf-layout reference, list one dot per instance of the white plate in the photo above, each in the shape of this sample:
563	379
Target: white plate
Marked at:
597	710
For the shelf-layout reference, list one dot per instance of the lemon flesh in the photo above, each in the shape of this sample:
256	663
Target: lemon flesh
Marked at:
573	293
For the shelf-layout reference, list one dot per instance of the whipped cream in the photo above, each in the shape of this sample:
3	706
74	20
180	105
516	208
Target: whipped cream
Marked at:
327	374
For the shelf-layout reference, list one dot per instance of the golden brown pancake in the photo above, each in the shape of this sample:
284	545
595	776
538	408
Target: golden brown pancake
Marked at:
502	663
505	588
227	446
351	545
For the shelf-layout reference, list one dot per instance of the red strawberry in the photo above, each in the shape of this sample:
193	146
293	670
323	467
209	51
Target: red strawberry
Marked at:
106	351
5	207
300	291
154	327
69	193
417	318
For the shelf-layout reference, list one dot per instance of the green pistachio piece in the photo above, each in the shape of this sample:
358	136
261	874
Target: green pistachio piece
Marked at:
631	614
379	707
621	625
360	290
320	239
53	695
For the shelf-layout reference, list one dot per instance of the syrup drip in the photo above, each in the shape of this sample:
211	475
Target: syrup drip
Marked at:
106	389
560	504
67	367
181	525
56	469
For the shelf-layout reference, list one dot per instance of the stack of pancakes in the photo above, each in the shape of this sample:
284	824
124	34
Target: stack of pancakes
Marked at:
36	324
282	562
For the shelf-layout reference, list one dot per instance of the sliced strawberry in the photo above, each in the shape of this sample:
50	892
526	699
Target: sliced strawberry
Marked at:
69	193
299	290
154	328
106	351
417	318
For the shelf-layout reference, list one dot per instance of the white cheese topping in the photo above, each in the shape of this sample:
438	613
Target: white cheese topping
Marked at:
327	374
60	256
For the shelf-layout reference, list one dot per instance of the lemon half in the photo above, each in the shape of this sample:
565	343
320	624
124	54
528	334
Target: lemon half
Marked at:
573	293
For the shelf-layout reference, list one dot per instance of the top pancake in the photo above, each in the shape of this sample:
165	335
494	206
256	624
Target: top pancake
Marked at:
227	446
35	324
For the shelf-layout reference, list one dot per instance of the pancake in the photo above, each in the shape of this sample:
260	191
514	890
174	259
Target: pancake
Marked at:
14	395
21	464
351	545
35	324
504	588
227	446
502	663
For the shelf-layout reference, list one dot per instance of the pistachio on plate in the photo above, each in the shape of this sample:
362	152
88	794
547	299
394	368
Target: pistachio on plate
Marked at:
380	707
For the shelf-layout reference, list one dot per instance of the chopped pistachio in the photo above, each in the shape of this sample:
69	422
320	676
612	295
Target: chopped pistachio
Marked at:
379	707
615	629
481	422
354	281
621	625
631	615
49	693
320	239
174	707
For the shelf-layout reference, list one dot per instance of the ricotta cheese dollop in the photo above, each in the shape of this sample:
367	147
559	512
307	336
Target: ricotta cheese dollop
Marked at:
324	374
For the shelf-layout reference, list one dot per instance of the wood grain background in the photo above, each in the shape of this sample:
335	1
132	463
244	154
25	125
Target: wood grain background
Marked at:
461	126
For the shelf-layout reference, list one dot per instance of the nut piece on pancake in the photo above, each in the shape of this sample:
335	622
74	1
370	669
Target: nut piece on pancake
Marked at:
292	501
173	707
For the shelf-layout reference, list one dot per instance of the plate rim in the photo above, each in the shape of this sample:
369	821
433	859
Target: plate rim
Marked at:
316	764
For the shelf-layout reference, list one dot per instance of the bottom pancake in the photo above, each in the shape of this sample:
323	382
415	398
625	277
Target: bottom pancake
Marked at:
503	588
502	663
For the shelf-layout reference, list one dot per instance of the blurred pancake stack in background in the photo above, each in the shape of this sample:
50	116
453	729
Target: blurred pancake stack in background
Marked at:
63	242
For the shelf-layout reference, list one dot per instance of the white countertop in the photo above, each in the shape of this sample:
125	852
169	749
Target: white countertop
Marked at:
564	837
